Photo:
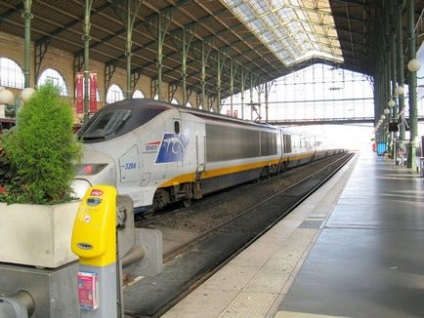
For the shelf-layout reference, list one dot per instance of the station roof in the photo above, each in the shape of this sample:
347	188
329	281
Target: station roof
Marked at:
271	38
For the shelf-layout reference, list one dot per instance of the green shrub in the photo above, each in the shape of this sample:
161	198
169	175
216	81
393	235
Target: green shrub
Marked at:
42	150
4	166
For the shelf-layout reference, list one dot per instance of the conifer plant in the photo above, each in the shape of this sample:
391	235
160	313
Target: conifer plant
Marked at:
42	151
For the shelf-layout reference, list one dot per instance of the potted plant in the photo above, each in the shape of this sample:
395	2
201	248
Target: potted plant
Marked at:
37	162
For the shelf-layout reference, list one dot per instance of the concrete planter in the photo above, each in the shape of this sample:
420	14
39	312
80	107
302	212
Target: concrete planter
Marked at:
37	235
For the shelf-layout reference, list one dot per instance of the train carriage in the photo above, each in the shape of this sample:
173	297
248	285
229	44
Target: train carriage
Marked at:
158	153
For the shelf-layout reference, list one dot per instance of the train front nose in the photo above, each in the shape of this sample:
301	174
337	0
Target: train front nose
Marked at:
96	168
80	187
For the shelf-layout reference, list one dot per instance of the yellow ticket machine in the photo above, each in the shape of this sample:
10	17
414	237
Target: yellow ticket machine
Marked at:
94	241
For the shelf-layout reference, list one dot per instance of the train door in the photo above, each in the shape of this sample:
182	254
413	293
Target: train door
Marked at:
195	153
129	166
200	150
178	148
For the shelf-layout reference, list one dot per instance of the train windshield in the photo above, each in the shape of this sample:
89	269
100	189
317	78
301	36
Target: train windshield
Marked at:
106	123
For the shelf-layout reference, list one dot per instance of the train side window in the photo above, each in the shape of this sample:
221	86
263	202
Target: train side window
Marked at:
177	127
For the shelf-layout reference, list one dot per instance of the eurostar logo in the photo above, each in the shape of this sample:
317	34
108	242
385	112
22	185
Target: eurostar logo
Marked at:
171	148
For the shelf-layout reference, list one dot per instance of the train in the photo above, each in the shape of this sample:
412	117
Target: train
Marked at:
159	153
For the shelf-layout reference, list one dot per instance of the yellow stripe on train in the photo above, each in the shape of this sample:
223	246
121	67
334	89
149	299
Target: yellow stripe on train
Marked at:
207	174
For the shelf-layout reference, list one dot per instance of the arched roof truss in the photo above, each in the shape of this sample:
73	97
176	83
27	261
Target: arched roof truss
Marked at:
214	48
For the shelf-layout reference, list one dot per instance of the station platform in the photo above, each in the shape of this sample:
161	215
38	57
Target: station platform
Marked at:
355	248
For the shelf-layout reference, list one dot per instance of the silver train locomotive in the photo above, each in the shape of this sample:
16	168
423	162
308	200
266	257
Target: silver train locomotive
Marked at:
159	153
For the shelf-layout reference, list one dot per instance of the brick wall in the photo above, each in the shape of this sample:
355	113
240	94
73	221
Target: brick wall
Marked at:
12	47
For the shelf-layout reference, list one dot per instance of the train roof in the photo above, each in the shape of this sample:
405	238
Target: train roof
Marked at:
135	104
119	118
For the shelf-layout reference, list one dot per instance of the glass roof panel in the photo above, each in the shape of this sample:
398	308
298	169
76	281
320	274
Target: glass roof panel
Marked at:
294	30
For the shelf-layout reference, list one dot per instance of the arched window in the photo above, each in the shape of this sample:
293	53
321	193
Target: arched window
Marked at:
174	101
189	105
138	94
156	97
11	74
52	76
114	94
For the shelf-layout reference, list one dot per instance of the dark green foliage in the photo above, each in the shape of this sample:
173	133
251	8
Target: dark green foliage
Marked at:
42	150
4	166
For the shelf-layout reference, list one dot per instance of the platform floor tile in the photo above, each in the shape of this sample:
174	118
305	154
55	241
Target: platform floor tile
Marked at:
253	284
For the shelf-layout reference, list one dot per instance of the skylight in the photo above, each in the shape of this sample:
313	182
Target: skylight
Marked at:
294	30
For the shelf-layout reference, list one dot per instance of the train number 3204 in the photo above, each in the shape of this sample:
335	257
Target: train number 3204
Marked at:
130	165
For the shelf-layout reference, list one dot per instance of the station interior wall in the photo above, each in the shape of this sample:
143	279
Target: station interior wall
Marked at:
12	47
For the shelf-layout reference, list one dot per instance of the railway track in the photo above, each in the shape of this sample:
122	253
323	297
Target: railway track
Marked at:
218	228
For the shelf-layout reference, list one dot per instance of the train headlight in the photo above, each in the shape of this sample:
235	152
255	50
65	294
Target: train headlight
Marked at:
89	169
